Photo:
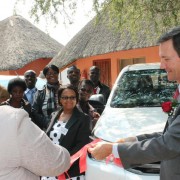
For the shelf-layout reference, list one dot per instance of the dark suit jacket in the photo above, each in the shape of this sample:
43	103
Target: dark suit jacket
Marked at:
77	136
39	119
105	90
157	147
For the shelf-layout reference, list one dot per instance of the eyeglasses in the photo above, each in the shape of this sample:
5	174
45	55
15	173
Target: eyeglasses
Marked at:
72	98
86	90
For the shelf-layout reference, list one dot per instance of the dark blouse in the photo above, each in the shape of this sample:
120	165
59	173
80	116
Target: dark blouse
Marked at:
24	105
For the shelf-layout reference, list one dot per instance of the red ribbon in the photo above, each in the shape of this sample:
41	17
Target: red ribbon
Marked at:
116	161
81	155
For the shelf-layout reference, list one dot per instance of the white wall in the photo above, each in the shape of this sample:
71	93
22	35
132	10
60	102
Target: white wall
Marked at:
63	77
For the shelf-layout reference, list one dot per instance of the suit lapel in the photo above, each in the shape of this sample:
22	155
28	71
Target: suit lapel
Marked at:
54	117
177	112
172	118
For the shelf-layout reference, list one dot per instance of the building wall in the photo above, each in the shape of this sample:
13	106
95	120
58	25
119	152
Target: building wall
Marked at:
150	54
36	65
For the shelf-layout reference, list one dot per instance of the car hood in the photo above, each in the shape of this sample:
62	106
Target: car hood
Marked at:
116	123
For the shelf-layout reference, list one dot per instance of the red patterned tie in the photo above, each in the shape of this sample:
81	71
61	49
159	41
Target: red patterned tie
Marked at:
176	94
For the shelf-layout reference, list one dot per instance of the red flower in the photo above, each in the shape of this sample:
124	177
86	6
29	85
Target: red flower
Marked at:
167	106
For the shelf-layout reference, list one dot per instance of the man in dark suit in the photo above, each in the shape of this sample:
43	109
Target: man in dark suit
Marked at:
147	148
30	79
99	88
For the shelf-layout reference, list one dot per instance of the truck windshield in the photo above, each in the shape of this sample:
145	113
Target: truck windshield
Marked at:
143	88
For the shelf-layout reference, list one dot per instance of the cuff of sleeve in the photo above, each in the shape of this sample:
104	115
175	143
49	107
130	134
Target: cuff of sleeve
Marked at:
115	150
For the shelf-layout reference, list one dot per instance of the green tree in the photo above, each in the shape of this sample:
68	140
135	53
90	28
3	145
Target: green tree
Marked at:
127	15
152	15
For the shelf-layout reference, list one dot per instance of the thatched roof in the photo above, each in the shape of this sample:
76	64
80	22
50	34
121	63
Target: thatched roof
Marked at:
21	43
99	38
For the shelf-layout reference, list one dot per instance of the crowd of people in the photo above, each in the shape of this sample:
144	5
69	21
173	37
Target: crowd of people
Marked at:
46	126
62	112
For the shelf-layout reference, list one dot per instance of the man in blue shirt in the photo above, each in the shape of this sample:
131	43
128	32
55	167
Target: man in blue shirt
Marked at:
30	79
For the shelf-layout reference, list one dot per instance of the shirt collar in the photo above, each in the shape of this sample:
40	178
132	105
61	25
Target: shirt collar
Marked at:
27	90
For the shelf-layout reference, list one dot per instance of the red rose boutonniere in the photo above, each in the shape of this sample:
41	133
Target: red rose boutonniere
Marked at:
169	107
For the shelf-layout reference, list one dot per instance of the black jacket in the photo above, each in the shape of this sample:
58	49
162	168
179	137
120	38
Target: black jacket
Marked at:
77	136
105	90
38	116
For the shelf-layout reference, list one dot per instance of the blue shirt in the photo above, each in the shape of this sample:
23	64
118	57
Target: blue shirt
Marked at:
30	94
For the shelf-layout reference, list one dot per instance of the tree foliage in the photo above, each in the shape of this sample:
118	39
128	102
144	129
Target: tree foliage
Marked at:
129	15
133	15
52	9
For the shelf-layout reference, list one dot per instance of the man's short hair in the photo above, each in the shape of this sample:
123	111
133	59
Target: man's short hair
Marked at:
173	34
30	71
94	67
73	67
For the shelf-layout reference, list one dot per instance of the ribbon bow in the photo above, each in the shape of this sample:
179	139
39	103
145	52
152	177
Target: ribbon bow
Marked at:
81	155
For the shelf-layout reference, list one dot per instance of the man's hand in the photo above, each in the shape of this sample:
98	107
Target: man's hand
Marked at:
101	150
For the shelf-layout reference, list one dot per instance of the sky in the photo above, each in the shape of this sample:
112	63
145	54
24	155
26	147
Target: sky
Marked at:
61	33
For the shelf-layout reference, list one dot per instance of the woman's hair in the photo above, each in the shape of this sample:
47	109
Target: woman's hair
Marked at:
53	67
16	82
69	86
86	82
3	93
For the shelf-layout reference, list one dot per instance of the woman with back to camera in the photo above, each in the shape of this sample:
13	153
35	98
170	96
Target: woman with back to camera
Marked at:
46	99
69	128
26	152
16	88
